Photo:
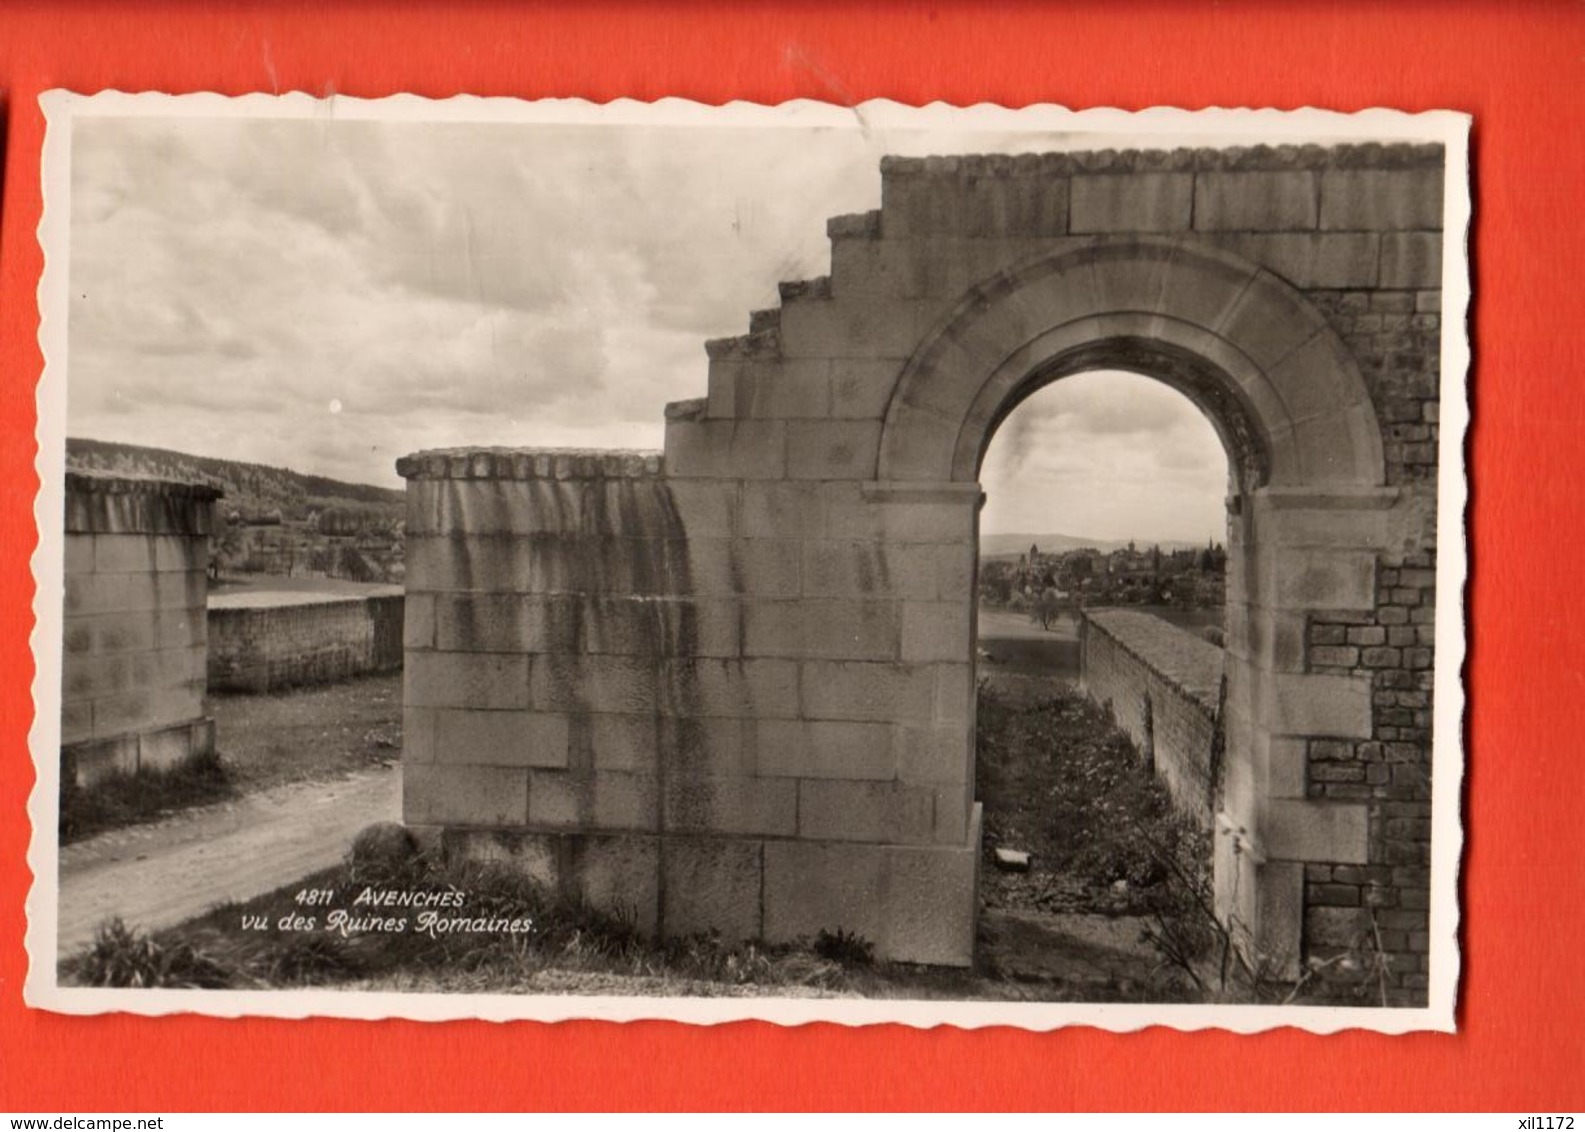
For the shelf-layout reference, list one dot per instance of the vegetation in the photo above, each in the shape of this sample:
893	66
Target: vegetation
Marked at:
130	799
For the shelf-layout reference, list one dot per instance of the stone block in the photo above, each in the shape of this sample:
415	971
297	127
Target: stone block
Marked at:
856	690
604	800
180	628
579	684
703	509
948	521
798	748
1315	704
77	555
1319	260
936	631
955	569
619	872
418	734
1133	202
760	807
500	738
91	677
1339	929
934	754
1256	202
181	554
787	390
87	594
166	748
712	885
418	621
872	328
90	763
952	808
466	680
821	628
641	626
782	511
1412	260
433	794
1294	830
1279	917
77	722
764	567
812	887
931	902
124	554
1317	579
623	742
872	570
726	449
832	449
862	389
739	689
954	693
185	589
1375	200
880	812
505	623
1286	763
712	748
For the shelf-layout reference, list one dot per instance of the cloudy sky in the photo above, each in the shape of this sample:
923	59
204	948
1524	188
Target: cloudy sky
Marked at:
329	294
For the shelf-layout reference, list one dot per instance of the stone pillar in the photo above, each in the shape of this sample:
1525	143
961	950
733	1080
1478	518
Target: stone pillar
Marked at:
133	671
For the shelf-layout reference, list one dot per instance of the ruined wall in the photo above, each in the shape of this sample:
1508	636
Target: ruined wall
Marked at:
1162	684
132	686
820	505
719	702
262	642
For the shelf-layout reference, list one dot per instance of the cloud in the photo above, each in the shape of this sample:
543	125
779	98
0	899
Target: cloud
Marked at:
1107	455
454	284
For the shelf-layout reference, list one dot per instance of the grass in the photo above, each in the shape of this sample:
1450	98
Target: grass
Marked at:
128	799
578	947
1060	781
264	741
1056	778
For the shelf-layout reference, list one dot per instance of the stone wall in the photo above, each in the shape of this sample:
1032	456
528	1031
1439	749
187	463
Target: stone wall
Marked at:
263	642
1163	686
132	689
815	514
722	703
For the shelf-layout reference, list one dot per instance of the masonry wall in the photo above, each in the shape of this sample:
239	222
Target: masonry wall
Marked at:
832	603
720	702
265	642
132	686
1162	684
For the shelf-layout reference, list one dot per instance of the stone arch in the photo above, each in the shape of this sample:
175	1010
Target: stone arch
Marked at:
1257	357
1295	415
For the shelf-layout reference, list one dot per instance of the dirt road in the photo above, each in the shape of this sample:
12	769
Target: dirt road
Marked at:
156	875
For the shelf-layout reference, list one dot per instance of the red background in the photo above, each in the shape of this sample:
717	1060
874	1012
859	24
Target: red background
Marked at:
1518	69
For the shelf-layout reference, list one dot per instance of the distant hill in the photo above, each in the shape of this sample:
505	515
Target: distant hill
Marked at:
1003	546
251	489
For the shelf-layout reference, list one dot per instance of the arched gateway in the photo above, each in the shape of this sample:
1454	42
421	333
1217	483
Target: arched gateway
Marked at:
732	687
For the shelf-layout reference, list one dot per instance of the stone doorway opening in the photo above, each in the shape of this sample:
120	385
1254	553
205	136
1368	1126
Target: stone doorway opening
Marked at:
1099	620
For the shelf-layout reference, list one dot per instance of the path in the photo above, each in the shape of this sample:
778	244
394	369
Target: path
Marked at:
160	874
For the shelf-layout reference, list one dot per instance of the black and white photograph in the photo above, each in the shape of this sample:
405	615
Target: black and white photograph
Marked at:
647	560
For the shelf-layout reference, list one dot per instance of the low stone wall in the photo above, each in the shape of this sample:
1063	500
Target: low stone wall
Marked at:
132	674
261	642
1163	684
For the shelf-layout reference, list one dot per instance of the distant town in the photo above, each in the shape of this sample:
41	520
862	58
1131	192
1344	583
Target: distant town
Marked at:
1048	584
